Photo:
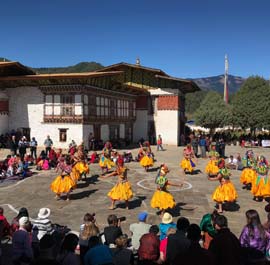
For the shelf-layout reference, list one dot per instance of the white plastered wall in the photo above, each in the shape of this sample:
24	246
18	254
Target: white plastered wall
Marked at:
3	123
167	124
26	110
140	127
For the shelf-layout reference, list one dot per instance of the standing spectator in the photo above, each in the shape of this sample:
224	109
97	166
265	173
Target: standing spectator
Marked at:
92	142
138	230
159	143
13	145
112	231
178	244
254	238
222	148
21	246
225	246
67	254
33	148
23	144
148	251
194	144
48	144
202	144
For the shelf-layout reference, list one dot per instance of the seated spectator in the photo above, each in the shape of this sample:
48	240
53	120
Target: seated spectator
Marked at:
112	231
178	244
67	254
225	246
23	212
122	255
94	158
167	222
89	229
98	253
148	252
127	157
21	245
47	254
5	224
195	255
254	238
232	162
163	244
207	228
42	223
138	230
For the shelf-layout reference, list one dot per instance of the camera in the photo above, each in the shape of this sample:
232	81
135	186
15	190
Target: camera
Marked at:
122	219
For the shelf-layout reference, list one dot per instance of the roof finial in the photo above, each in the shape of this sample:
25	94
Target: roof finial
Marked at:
138	62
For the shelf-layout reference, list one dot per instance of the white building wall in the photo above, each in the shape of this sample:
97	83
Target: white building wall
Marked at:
87	129
3	123
122	131
104	134
140	127
26	110
167	125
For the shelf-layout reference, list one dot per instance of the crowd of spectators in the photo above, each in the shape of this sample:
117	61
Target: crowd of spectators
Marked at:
39	242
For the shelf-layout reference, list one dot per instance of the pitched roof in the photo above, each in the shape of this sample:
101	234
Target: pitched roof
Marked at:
14	69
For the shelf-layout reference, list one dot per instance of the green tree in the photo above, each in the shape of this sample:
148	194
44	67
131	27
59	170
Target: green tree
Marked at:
193	101
251	104
213	112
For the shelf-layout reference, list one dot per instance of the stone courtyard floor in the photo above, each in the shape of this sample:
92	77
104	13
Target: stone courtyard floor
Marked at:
194	200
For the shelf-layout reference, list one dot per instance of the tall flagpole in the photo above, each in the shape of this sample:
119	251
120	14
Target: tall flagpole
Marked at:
226	91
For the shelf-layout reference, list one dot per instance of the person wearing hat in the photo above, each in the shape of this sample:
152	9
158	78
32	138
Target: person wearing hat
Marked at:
122	189
42	223
166	223
187	163
211	168
226	191
21	245
162	198
139	229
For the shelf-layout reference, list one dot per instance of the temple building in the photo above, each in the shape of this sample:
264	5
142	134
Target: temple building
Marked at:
119	102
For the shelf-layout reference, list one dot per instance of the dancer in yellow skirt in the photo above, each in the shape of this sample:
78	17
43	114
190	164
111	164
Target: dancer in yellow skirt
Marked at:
249	174
211	168
261	185
162	198
80	167
147	160
187	163
105	162
122	190
225	192
63	184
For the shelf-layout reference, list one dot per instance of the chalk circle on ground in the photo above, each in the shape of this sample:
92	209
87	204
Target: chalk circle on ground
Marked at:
148	184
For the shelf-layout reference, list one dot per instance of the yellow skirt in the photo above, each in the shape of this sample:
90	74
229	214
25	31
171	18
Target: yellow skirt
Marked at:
262	188
162	200
75	174
62	184
106	163
225	192
121	191
82	168
147	161
248	175
186	165
211	168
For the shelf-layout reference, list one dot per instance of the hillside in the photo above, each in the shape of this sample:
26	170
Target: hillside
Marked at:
217	83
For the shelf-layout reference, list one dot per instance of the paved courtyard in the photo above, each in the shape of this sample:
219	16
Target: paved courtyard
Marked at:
91	195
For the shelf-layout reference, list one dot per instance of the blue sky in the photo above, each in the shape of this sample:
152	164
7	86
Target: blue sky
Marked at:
185	38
